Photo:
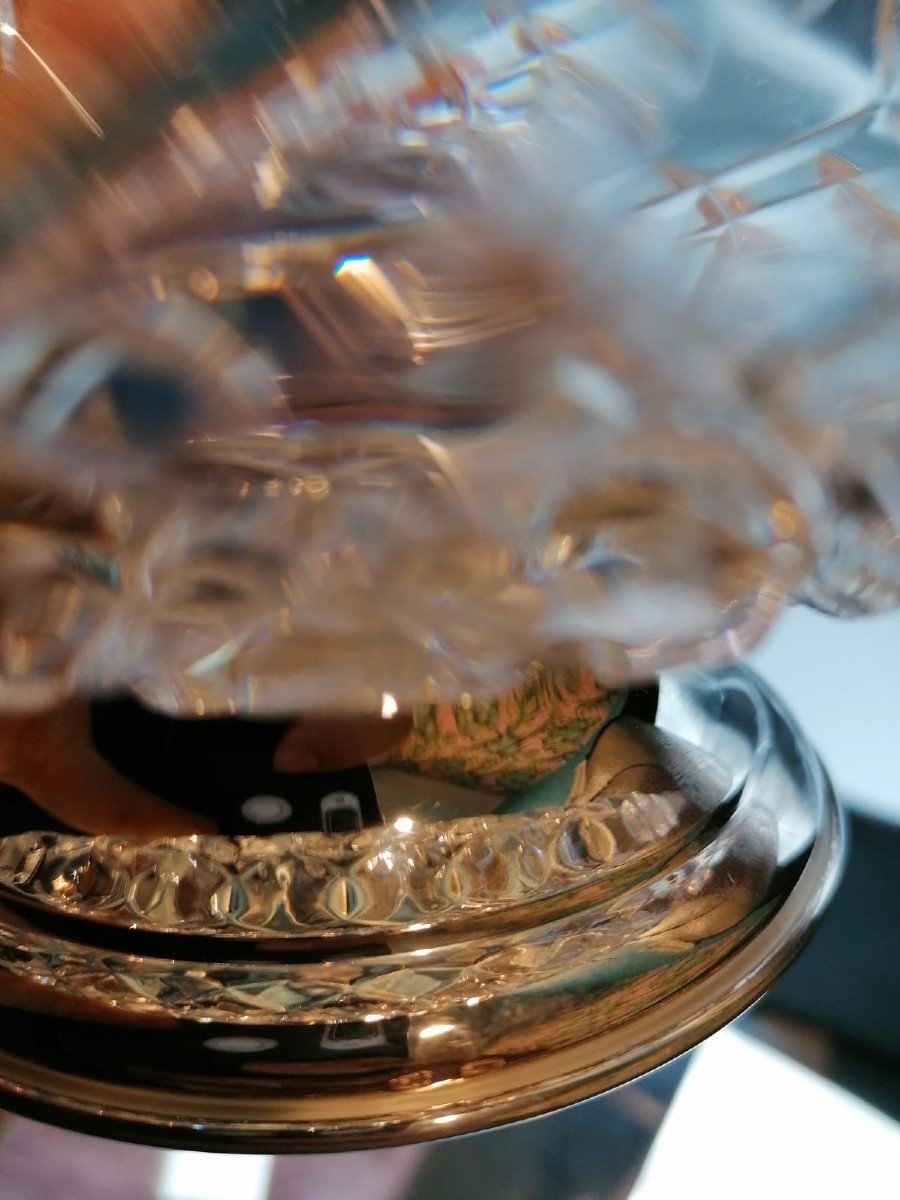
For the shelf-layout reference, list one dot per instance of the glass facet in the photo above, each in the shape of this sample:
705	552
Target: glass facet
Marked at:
353	351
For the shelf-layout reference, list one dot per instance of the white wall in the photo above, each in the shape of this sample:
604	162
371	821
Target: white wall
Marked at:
841	679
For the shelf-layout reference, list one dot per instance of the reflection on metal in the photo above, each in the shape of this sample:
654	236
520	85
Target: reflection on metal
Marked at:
507	923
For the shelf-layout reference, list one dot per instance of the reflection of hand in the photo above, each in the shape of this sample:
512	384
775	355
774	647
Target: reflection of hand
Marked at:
50	756
322	742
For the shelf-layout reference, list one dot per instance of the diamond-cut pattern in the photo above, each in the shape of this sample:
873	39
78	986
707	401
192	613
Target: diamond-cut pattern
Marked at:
707	896
378	879
531	264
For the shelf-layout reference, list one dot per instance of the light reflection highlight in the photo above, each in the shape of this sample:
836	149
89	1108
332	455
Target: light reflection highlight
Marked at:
10	31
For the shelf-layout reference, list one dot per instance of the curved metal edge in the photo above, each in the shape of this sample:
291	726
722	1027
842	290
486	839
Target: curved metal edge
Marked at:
523	1089
667	1031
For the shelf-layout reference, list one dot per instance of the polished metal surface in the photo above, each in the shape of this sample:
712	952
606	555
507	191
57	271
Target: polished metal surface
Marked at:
546	897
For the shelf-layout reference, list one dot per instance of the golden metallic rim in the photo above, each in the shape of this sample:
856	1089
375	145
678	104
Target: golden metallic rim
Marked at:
513	1091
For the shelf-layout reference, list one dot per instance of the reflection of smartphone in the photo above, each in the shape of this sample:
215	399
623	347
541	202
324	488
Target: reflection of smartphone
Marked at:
352	1035
222	768
341	812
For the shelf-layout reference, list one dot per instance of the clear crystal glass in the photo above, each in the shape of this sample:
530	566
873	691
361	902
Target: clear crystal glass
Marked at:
349	352
427	378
